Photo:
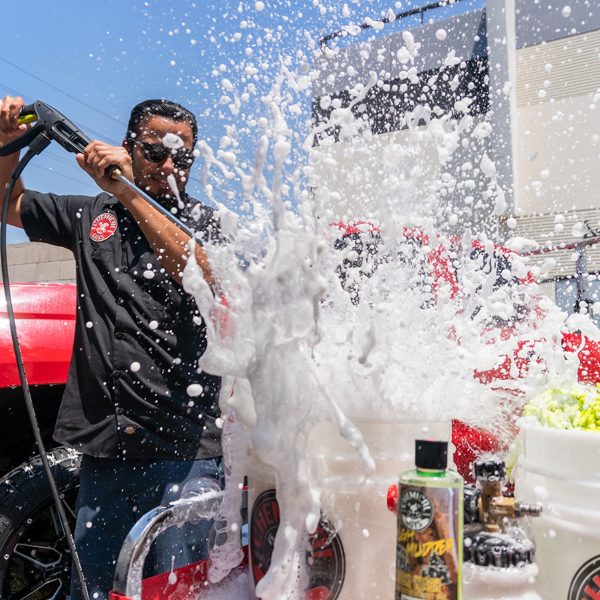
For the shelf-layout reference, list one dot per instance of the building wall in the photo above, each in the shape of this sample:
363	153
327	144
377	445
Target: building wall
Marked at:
549	143
542	21
558	125
397	161
557	133
33	261
361	177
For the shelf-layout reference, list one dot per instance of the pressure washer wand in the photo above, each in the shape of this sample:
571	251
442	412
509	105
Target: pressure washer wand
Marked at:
115	173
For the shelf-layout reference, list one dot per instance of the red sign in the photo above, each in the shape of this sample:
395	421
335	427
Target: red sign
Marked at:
586	583
325	558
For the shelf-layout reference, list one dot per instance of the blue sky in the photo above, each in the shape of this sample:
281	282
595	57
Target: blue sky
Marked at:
93	60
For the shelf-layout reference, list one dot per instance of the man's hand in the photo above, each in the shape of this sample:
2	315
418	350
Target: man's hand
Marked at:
9	115
10	130
98	157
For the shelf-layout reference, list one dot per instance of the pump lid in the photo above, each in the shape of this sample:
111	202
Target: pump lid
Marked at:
490	470
498	550
430	454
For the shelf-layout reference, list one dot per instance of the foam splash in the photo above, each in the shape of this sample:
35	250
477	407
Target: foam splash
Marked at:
423	333
172	141
270	324
172	181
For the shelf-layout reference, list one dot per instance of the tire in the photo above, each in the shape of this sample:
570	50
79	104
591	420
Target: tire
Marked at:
35	561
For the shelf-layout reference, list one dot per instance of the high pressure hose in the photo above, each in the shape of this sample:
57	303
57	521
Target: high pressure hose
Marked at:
37	146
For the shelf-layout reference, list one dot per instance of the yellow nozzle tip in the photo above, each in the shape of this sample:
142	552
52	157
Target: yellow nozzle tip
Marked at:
26	119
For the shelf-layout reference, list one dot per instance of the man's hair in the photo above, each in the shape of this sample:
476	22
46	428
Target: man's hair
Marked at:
159	108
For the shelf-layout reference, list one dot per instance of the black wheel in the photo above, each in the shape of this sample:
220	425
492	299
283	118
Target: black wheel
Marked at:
35	561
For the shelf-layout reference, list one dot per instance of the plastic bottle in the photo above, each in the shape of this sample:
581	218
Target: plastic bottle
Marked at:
430	527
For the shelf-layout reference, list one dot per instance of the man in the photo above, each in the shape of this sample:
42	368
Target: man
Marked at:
135	404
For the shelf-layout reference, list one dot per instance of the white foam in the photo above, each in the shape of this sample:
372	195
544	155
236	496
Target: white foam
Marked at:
172	141
172	181
194	389
296	351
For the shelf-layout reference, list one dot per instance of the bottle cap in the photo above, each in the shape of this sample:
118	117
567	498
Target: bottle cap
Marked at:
490	470
498	550
392	498
431	454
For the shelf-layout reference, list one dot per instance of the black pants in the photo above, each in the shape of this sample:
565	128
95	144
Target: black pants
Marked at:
113	495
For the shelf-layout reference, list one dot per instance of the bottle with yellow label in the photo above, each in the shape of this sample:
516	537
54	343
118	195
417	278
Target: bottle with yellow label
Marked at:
430	527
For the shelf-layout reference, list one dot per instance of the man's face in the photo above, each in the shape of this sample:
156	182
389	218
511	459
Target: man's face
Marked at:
151	165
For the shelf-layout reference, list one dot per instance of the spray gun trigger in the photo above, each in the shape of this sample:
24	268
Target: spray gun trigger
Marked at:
69	138
27	115
26	119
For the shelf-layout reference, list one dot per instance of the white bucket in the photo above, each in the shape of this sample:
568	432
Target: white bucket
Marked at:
359	561
560	469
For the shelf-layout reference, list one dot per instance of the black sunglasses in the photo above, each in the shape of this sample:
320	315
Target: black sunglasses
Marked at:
158	153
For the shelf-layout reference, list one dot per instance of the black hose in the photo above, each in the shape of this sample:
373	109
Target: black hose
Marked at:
37	145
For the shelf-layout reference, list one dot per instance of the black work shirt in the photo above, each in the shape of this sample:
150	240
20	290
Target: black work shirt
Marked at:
133	389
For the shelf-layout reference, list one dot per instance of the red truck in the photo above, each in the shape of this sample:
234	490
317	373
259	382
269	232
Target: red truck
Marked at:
33	549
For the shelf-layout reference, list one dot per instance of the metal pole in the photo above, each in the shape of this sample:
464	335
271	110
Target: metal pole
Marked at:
421	10
153	202
129	569
581	280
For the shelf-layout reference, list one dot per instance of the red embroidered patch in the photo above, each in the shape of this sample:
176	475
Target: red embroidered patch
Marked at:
103	227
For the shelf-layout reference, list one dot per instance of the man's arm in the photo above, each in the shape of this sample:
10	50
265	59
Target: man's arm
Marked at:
9	131
169	243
